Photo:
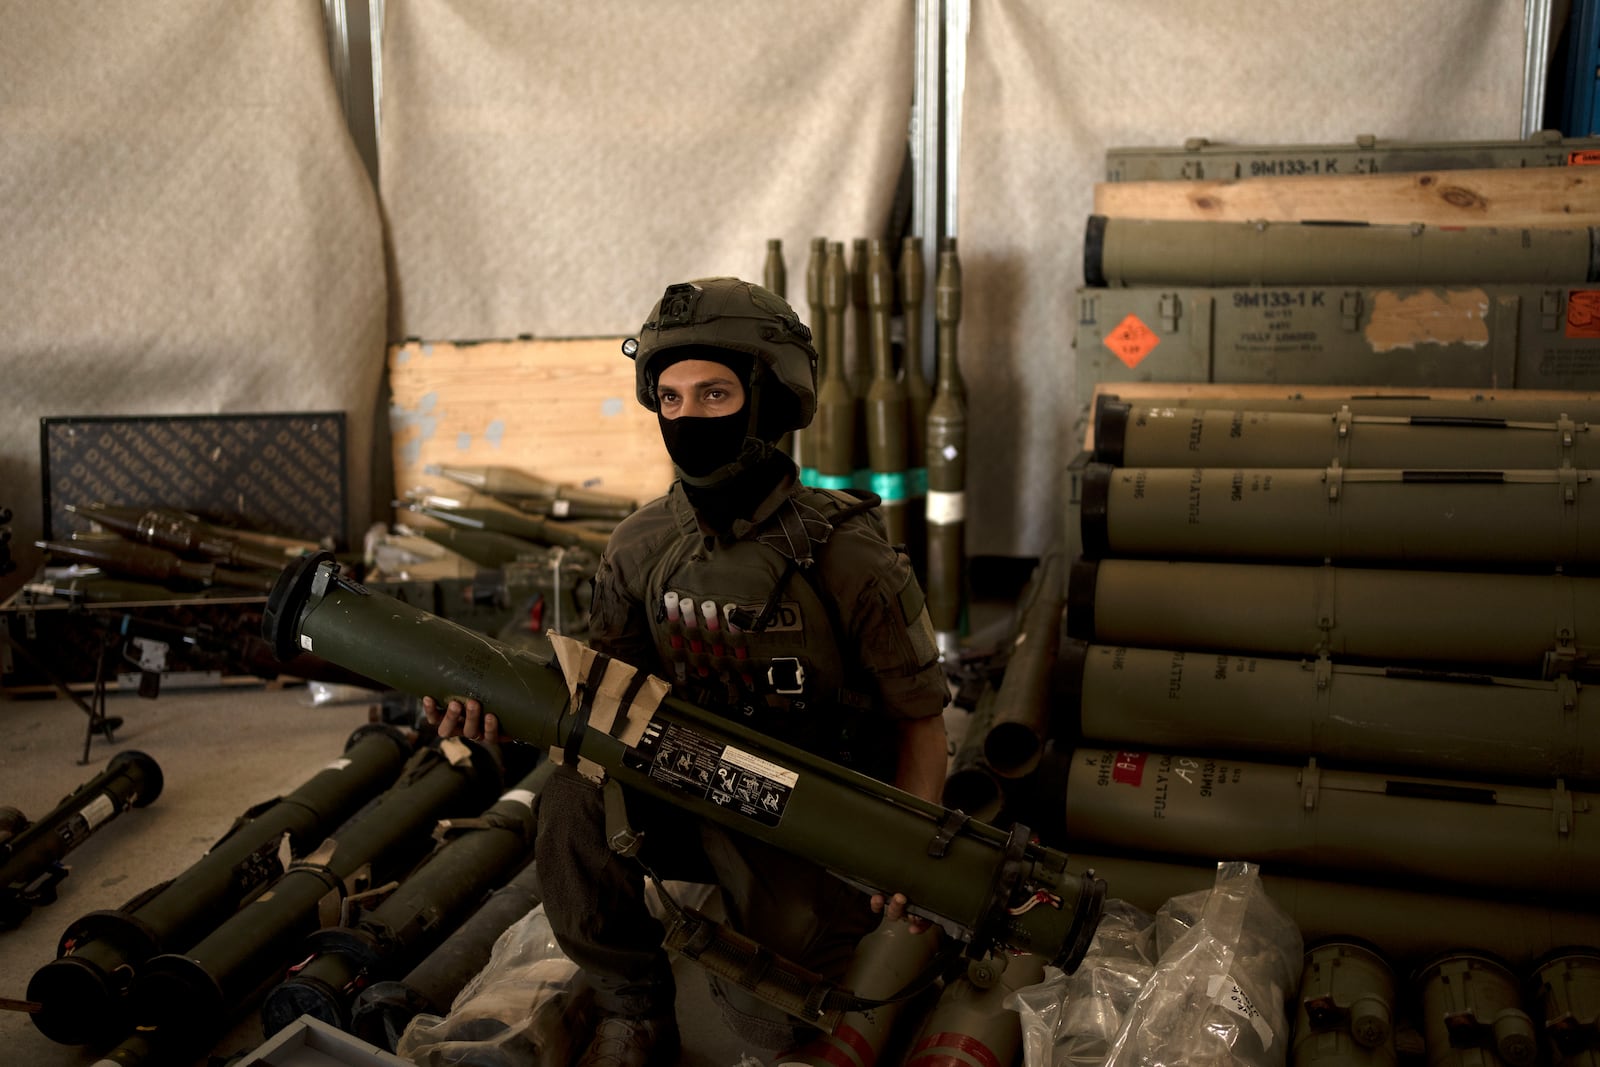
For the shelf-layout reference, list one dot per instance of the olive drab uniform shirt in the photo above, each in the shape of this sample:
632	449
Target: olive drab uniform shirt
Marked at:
809	626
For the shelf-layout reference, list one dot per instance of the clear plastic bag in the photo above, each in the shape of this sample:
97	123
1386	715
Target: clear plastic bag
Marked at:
1217	996
1070	1020
515	1012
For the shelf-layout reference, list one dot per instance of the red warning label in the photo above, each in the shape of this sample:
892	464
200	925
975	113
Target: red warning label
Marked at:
1586	157
1129	768
1583	313
1131	341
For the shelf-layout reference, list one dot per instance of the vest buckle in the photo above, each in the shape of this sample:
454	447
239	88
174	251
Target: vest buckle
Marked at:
786	676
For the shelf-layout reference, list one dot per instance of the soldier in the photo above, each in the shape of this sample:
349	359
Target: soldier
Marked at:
782	605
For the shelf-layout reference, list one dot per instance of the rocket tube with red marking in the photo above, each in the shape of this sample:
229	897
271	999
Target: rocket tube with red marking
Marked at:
886	961
970	1025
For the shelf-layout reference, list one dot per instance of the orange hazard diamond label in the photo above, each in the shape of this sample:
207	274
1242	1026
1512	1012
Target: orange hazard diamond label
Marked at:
1131	341
1583	157
1583	313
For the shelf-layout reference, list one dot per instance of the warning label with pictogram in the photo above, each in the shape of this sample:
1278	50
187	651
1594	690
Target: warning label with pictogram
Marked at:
1131	341
1583	313
1583	157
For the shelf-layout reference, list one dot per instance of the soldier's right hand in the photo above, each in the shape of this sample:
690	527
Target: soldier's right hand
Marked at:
467	720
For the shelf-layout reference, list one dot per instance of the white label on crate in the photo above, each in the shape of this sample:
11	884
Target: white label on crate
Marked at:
305	642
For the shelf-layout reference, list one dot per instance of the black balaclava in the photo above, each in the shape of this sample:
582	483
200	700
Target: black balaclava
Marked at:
728	464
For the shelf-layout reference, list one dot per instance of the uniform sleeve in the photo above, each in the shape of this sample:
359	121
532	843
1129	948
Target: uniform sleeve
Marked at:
884	613
618	625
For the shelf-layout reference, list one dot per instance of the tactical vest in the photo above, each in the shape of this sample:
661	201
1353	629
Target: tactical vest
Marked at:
751	632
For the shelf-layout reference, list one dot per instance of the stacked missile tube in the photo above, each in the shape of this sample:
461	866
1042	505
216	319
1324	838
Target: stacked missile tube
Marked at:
1412	670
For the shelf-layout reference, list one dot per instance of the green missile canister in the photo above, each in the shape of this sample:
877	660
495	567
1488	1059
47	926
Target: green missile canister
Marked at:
858	364
561	500
816	267
831	440
804	440
971	1026
1199	157
1541	625
1345	1009
1381	717
1564	998
1156	252
954	869
774	274
199	987
83	992
919	397
1410	923
885	401
486	548
383	1010
1346	515
30	866
1145	435
1374	827
1015	739
119	556
178	532
516	482
473	858
886	962
775	278
515	524
1472	1014
947	461
98	588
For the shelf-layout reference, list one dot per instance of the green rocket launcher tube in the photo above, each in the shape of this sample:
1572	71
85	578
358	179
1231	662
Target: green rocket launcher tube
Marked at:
83	992
200	986
383	1010
28	861
477	855
992	886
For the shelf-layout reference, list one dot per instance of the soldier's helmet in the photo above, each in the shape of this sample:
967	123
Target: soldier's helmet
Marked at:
738	316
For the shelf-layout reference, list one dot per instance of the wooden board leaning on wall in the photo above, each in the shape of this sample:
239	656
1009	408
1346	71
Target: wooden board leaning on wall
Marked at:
1534	196
561	409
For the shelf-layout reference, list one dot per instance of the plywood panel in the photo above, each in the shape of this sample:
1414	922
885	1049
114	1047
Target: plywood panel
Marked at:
1536	196
563	410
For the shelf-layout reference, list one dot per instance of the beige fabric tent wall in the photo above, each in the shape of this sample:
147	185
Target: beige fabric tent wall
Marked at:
189	228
